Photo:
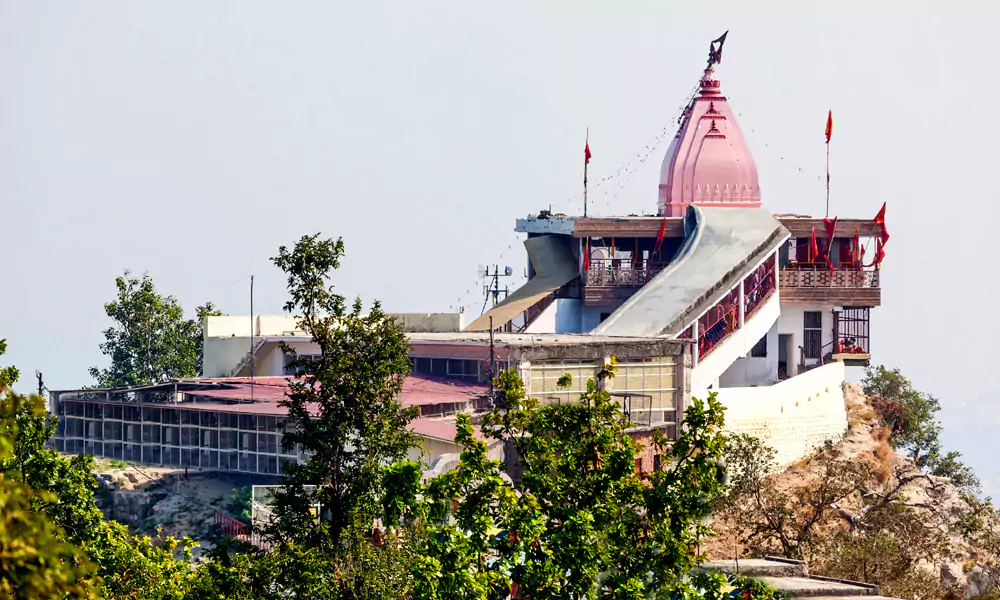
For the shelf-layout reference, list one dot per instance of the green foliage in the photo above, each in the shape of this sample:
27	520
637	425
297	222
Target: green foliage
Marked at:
897	541
36	561
241	505
785	521
911	417
8	375
585	524
344	411
150	341
62	514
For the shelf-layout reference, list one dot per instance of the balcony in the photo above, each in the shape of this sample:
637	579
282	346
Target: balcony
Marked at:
818	284
611	280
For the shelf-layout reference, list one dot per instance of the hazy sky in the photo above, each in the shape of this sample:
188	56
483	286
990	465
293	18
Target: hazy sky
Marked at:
191	139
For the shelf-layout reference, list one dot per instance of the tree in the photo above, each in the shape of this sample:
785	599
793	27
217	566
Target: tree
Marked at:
343	410
585	523
59	492
911	417
36	561
8	375
151	342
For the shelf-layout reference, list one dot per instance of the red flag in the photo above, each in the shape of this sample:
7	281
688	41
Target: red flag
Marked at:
586	256
831	227
813	247
880	217
660	236
856	253
880	220
586	149
829	126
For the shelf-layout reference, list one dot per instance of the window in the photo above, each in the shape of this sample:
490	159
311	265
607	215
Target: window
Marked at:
656	462
447	367
812	334
759	349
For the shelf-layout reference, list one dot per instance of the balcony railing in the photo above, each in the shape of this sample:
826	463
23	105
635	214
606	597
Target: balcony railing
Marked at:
758	287
718	323
818	277
605	272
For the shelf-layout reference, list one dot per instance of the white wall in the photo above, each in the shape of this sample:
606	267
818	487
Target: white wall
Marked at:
795	416
751	371
736	345
285	326
792	321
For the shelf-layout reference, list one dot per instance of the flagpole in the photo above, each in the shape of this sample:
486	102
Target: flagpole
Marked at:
586	162
827	178
829	133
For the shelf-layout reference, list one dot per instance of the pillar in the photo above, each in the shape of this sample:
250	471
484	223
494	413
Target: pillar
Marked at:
694	349
743	305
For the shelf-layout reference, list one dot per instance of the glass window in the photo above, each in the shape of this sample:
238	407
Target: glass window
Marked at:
227	440
151	415
132	413
188	417
171	435
209	438
209	418
248	462
760	348
248	422
267	442
150	434
209	459
248	441
170	416
151	454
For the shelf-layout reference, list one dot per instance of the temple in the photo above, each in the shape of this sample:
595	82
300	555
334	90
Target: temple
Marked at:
760	297
708	293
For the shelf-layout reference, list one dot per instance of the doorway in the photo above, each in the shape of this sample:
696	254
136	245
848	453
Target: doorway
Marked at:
784	352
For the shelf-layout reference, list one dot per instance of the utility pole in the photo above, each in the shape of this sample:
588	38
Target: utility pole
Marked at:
41	385
493	368
253	359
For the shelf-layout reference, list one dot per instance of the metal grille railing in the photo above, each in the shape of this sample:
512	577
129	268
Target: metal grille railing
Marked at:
718	323
608	272
758	287
824	277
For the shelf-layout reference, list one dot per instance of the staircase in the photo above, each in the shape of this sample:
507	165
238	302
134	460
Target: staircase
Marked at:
245	361
792	580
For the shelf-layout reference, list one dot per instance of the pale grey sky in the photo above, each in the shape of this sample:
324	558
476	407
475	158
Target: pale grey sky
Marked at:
190	139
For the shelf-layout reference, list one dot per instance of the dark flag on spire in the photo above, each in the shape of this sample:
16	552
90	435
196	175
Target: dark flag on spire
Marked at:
715	52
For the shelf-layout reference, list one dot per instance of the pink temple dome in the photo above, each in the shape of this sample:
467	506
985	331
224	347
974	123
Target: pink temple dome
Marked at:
708	162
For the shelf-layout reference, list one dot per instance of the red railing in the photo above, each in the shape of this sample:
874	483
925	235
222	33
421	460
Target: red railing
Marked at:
608	272
239	530
758	287
718	323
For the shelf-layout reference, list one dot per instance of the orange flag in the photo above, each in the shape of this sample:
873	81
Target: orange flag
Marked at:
829	126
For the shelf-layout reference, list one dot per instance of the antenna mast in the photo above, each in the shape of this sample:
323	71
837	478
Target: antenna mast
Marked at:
252	340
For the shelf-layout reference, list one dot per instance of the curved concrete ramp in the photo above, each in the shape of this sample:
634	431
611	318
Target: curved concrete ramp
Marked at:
554	267
723	245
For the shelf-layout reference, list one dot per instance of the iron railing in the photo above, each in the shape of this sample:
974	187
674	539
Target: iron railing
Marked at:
718	323
823	276
758	287
614	272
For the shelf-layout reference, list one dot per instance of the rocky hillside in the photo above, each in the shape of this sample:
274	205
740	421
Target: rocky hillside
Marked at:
861	496
179	504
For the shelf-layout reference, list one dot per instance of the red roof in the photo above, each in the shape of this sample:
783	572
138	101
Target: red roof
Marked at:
418	390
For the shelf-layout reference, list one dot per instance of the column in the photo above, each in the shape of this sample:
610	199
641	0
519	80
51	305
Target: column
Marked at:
743	305
694	350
